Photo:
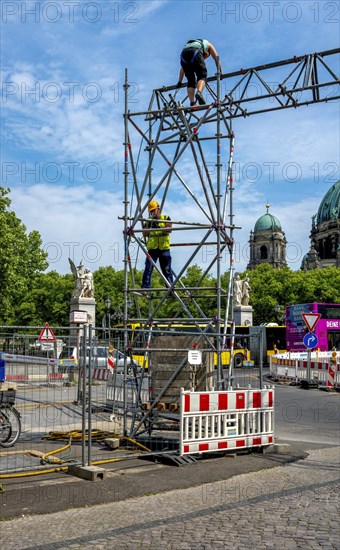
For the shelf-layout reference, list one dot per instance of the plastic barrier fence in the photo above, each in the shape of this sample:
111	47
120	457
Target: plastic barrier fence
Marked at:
26	369
315	355
324	372
98	373
224	420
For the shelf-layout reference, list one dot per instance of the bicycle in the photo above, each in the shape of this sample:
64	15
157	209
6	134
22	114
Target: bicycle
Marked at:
10	423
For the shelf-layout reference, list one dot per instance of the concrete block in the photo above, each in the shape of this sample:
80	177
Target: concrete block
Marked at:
278	448
112	442
90	473
5	386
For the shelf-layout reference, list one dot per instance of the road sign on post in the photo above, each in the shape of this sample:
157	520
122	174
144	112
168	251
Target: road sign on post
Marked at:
46	334
311	320
310	340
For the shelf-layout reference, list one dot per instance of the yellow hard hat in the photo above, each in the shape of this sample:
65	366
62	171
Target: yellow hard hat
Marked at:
152	205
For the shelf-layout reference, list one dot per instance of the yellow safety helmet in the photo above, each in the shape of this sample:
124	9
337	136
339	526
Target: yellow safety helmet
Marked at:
152	205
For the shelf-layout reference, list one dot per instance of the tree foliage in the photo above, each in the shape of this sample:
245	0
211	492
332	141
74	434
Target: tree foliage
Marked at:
285	287
21	260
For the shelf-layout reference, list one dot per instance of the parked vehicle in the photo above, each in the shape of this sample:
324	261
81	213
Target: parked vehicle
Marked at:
68	360
100	355
119	359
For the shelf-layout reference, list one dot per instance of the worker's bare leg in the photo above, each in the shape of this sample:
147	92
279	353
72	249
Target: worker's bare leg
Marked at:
200	85
191	94
198	95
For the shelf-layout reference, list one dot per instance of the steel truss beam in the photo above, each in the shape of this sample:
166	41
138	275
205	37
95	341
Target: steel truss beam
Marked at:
271	87
177	156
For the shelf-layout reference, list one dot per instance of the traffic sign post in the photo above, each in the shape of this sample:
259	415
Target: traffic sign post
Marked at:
46	335
311	320
310	339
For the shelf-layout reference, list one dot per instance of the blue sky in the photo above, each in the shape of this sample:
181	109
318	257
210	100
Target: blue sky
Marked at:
63	66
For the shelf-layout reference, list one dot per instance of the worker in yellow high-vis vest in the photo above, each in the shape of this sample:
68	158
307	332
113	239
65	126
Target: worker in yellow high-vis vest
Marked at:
157	243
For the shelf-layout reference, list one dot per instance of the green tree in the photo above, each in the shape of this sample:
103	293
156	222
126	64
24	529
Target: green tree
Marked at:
271	286
22	259
47	301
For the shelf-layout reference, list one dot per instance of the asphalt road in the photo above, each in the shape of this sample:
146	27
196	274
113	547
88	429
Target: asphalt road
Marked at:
307	415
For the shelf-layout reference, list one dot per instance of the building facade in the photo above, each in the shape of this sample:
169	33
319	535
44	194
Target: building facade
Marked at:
325	233
267	242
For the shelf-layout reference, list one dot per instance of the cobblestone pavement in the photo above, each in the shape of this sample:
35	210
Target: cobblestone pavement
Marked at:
291	506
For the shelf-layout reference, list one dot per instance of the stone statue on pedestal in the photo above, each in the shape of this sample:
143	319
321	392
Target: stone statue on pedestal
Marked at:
245	291
83	281
237	291
242	311
82	300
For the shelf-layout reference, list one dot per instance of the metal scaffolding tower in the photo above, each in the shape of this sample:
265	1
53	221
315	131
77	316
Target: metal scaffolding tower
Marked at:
181	148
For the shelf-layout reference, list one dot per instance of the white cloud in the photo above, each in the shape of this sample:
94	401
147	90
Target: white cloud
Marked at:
78	220
131	15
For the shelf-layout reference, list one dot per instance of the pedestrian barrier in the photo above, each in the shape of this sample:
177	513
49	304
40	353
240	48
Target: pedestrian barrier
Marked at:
26	369
315	355
37	378
13	359
99	373
224	420
323	370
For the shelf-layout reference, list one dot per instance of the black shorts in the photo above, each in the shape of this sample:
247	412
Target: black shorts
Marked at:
193	69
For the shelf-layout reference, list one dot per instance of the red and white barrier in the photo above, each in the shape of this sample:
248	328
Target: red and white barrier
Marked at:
99	373
216	421
26	369
331	379
37	378
324	371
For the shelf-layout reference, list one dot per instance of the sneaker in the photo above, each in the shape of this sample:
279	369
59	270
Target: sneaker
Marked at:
200	98
192	103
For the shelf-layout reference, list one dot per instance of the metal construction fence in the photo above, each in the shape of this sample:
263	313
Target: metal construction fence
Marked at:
67	418
128	391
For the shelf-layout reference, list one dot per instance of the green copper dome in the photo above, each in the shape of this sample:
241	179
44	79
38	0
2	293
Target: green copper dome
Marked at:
267	222
330	205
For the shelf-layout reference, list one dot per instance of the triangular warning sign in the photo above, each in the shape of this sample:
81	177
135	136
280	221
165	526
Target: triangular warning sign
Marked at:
311	319
46	335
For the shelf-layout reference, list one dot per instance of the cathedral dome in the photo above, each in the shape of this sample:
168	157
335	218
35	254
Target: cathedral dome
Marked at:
267	222
330	205
325	233
267	242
